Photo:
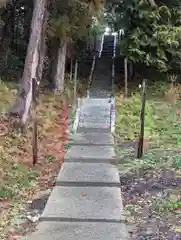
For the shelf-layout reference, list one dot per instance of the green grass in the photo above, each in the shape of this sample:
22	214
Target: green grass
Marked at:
7	93
154	159
166	205
161	121
162	130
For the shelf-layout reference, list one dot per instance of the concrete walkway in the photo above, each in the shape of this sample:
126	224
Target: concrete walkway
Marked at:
86	203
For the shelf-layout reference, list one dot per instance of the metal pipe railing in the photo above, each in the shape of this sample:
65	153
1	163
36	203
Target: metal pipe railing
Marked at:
113	64
91	75
112	99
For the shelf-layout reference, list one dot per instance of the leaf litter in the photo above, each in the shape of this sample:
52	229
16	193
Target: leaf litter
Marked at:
22	184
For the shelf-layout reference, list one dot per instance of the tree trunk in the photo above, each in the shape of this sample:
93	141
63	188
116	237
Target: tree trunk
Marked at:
42	53
60	68
71	69
42	49
23	101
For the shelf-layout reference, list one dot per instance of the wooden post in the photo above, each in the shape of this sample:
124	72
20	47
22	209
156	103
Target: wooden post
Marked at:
142	120
75	84
35	122
125	77
71	69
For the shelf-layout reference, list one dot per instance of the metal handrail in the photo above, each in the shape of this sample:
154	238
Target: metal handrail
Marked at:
113	65
112	98
91	75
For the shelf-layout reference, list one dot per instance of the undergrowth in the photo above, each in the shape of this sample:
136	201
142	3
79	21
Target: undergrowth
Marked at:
162	139
19	180
162	120
162	125
151	185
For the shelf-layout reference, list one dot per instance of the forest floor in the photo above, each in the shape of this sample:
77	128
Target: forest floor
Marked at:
151	186
25	188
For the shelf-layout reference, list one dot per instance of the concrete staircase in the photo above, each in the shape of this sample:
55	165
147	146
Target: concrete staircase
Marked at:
102	83
95	115
108	46
86	202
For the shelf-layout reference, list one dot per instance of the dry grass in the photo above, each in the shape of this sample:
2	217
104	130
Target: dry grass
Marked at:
19	180
173	94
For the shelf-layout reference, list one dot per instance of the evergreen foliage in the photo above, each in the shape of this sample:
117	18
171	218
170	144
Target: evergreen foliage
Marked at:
152	34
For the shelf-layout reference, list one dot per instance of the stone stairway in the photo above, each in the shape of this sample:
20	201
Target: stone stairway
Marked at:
102	83
86	202
101	86
95	115
108	46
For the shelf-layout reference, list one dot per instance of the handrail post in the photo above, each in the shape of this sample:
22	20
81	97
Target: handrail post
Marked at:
113	64
112	110
91	74
75	84
142	120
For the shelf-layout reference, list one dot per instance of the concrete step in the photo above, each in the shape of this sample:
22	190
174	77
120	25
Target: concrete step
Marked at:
93	130
94	152
87	174
105	119
80	211
85	115
99	203
94	125
88	119
91	160
92	139
96	102
80	231
87	111
108	53
95	93
108	47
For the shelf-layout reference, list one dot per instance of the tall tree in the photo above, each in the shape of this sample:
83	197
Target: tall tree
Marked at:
69	23
23	102
152	32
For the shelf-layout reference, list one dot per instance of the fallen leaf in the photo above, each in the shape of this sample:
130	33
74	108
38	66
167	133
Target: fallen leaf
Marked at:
84	194
11	237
